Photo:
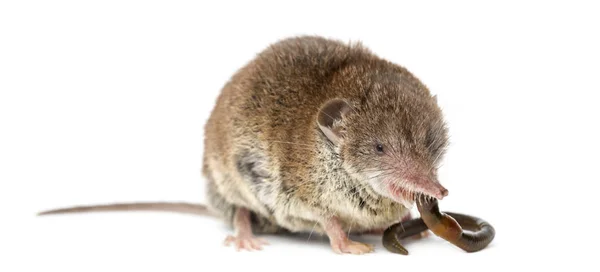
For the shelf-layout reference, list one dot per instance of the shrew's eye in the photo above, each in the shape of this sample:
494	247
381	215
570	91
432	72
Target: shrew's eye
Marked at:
379	148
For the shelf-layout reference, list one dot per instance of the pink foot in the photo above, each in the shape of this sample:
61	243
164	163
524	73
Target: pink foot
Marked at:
245	242
352	247
244	239
340	242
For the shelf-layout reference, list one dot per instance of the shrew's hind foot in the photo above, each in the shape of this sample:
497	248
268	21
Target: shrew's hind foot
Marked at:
244	239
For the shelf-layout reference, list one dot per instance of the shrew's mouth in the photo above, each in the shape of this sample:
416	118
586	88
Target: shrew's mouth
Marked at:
408	195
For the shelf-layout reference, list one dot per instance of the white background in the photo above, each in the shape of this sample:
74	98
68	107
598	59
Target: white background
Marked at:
105	101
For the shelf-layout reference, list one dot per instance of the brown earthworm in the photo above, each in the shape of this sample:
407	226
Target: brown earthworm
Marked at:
477	233
396	232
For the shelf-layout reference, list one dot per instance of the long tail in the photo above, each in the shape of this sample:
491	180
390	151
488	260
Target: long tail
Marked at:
177	207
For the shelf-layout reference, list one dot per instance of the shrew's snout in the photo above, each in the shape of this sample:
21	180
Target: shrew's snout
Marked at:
427	186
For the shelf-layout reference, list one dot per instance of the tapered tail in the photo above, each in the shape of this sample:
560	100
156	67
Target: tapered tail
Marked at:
176	207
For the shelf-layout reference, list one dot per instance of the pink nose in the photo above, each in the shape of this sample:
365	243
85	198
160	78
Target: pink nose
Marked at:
430	187
444	192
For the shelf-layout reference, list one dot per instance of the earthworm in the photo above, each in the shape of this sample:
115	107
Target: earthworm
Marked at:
467	232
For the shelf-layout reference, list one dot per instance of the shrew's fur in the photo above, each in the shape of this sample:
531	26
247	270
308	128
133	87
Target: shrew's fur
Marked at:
265	150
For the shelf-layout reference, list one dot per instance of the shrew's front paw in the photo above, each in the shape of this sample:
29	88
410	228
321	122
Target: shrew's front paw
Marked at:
245	242
351	247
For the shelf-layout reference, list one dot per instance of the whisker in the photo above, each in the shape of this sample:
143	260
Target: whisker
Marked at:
350	228
435	161
311	231
368	171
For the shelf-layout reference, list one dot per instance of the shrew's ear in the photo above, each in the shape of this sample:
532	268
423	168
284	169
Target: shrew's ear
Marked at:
330	116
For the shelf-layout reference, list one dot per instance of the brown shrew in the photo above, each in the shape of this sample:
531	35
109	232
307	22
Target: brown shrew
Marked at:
315	135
